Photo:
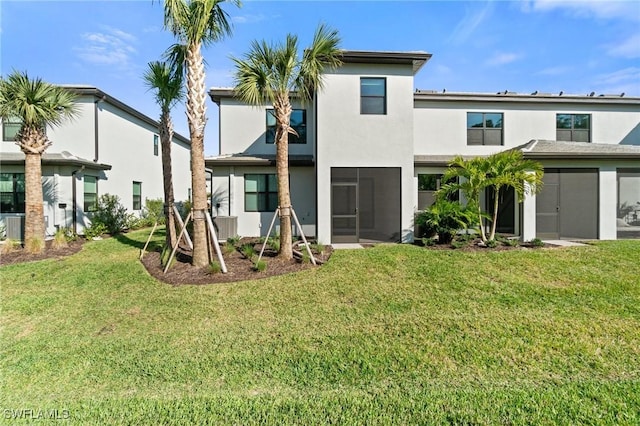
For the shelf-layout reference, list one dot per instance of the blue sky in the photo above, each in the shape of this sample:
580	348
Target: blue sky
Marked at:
522	46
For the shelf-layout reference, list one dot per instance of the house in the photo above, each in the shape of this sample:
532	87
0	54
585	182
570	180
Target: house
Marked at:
371	150
109	148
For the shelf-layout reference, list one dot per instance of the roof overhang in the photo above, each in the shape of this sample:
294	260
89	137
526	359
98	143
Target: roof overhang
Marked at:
432	95
561	150
438	160
257	160
415	59
54	159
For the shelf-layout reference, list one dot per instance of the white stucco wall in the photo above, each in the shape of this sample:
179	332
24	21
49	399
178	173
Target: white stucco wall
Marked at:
347	138
243	129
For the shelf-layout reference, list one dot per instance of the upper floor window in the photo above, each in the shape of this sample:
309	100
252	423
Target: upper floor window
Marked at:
90	193
137	195
573	127
155	145
10	128
298	122
12	193
484	128
260	192
373	95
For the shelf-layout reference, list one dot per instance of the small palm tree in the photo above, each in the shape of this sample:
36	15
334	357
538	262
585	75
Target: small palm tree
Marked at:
36	104
196	23
268	74
508	169
470	178
167	84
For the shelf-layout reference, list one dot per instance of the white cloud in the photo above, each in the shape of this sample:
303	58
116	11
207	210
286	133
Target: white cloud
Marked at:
471	20
248	19
625	10
559	70
629	48
111	47
502	59
626	80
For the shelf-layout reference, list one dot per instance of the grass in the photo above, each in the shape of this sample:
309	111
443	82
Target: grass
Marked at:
388	335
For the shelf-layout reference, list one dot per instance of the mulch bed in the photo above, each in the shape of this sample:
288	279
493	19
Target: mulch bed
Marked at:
239	268
476	245
20	255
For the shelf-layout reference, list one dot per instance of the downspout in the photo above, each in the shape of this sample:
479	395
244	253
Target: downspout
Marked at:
74	199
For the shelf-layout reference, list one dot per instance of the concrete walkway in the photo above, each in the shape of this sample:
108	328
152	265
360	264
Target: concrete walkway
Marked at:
565	243
346	246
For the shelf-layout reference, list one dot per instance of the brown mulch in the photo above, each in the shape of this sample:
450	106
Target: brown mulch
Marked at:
239	268
20	255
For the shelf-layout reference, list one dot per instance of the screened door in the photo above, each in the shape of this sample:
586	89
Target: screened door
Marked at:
365	204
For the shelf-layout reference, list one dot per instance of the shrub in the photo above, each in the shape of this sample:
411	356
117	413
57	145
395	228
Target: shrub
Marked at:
9	246
274	243
228	248
492	243
233	240
111	214
511	242
153	211
458	244
95	230
248	251
214	267
260	266
60	239
428	242
318	248
537	242
446	218
34	245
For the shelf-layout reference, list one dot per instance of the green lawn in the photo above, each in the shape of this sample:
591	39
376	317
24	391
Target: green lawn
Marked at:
394	334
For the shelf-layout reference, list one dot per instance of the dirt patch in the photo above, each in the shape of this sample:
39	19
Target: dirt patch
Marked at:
20	255
239	267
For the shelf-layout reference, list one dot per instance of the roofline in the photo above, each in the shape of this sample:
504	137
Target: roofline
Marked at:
428	95
61	162
416	59
580	156
255	161
99	94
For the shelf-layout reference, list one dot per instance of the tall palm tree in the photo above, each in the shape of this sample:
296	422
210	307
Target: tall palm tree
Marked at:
36	104
196	23
268	74
167	84
508	169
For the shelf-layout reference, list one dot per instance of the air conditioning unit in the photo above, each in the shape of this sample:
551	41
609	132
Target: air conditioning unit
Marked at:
226	226
15	227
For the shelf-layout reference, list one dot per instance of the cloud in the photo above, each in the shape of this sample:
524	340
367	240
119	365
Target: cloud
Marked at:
626	80
248	19
471	20
625	10
629	48
560	70
111	47
502	59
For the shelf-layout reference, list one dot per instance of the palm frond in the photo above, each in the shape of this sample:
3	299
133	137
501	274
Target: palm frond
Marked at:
166	83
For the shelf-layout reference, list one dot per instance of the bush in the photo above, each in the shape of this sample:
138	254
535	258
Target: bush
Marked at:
60	239
428	242
446	218
492	243
260	266
9	246
248	251
111	214
233	240
153	211
95	230
34	245
458	244
214	267
537	242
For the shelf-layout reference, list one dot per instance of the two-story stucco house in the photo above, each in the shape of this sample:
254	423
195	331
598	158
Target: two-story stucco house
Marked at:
109	148
371	150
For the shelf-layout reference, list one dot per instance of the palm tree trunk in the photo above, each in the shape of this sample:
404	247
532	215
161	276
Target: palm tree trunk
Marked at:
282	109
483	236
34	212
494	224
196	109
166	136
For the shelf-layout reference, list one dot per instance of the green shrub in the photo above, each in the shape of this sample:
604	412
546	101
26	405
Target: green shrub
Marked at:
233	240
95	230
537	242
274	243
511	242
446	218
153	211
428	242
214	267
260	266
227	248
111	214
318	248
458	244
492	243
248	251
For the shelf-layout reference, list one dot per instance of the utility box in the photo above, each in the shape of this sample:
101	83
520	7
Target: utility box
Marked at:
15	227
226	226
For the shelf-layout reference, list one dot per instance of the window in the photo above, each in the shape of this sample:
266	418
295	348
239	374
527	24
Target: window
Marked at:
90	194
298	122
260	193
428	184
155	145
10	128
573	127
137	195
484	128
373	95
12	192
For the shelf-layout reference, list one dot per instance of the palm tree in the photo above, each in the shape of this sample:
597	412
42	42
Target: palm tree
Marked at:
470	178
508	169
167	84
196	23
36	104
268	74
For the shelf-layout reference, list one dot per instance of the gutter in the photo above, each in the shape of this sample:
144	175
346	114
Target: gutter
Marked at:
96	133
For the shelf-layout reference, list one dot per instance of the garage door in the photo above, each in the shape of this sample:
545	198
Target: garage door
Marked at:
567	206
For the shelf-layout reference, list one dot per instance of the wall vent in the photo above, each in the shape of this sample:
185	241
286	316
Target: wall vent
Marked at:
226	226
15	227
